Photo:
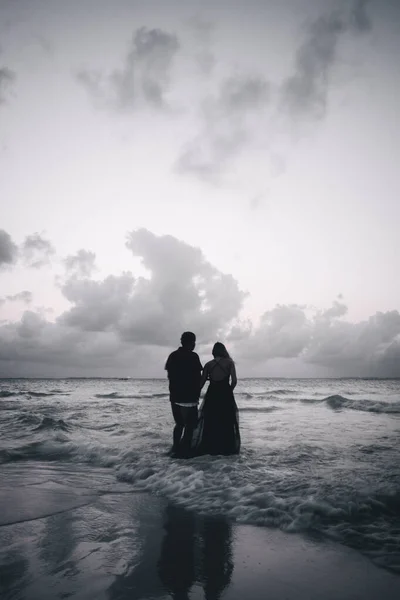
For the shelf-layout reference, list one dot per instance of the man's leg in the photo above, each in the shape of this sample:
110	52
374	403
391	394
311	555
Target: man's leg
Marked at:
189	415
179	425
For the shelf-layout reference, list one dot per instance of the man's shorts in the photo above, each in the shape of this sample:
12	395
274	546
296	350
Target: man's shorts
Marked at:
184	415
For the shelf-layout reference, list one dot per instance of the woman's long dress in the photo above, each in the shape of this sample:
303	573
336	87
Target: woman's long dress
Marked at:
218	425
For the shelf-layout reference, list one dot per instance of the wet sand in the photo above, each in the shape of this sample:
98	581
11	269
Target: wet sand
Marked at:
59	542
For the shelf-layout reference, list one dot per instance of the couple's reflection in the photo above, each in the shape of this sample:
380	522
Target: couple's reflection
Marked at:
195	554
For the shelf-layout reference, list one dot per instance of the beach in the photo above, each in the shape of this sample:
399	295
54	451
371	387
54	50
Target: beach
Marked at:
118	544
92	507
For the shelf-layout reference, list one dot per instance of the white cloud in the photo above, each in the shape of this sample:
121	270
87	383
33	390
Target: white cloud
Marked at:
24	296
227	119
120	314
8	249
36	251
322	338
305	92
7	77
144	76
81	264
120	319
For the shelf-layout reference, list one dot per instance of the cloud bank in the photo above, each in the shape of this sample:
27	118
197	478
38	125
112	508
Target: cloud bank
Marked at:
368	348
125	325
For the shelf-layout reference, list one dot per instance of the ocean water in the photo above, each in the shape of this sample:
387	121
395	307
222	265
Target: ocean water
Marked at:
319	457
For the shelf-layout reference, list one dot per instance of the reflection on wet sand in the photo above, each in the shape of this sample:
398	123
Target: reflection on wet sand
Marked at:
176	566
217	564
195	550
119	546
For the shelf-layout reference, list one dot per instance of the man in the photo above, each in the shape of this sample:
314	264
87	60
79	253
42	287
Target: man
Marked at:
184	373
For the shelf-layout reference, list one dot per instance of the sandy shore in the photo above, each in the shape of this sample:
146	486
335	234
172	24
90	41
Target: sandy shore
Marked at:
58	542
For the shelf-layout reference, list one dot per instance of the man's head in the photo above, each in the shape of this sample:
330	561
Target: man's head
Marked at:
188	340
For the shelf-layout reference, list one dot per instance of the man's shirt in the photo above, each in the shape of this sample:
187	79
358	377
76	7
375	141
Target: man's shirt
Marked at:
184	373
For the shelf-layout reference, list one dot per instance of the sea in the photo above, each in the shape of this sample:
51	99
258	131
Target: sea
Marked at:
319	457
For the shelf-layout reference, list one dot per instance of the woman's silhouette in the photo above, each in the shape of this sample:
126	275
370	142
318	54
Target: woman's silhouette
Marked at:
218	428
217	558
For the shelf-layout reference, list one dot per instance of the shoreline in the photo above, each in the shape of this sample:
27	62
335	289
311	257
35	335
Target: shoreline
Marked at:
122	544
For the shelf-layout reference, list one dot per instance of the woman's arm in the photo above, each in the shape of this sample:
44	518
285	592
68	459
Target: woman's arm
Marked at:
233	376
204	376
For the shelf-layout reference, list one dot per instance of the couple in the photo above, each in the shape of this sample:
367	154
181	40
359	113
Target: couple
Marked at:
216	429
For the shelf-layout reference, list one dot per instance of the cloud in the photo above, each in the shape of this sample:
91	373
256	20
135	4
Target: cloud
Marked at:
359	19
8	250
226	122
125	325
322	338
98	305
35	346
36	251
184	291
144	76
81	264
283	332
122	316
202	31
235	116
7	77
366	347
24	296
305	92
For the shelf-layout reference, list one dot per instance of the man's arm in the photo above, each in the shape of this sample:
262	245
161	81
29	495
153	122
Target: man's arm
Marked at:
168	364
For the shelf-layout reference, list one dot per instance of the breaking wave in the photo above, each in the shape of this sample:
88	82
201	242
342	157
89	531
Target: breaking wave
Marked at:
337	402
117	395
260	409
50	423
32	393
366	521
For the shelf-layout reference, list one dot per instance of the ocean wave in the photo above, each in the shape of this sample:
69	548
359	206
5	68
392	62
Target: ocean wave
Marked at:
245	488
338	402
28	418
32	393
221	486
49	450
260	409
38	394
50	423
117	395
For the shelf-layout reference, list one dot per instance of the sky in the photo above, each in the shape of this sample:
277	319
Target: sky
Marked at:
223	167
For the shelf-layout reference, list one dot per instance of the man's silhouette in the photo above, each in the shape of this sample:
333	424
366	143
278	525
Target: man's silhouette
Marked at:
176	565
184	374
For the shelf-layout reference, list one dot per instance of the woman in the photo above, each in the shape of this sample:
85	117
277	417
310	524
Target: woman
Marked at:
218	428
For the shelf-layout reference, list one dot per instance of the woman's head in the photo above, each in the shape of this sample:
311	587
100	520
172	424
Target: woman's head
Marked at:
219	350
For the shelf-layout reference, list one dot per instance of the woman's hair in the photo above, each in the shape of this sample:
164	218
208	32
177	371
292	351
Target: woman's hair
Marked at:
220	350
